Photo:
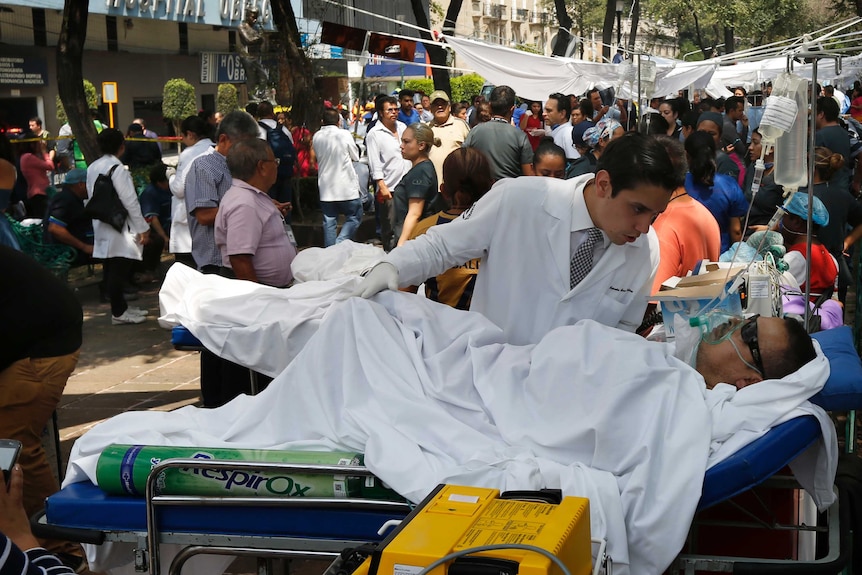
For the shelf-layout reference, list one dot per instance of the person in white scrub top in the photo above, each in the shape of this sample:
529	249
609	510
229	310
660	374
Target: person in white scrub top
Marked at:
526	231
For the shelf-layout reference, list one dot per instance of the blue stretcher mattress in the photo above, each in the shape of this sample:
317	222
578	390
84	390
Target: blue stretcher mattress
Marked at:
85	506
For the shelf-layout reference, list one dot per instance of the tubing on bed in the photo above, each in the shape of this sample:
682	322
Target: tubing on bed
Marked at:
123	470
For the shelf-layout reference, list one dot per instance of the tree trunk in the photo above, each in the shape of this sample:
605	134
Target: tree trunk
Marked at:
437	54
561	45
70	77
697	32
608	29
636	16
729	44
297	77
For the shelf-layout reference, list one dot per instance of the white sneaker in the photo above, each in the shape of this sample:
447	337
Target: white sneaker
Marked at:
137	311
127	318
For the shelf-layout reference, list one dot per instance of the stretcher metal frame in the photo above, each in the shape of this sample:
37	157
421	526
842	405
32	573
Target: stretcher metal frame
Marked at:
147	556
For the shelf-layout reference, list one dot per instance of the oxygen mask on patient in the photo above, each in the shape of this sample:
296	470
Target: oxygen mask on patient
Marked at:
713	328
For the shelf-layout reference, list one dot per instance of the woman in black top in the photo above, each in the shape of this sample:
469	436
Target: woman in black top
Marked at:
417	190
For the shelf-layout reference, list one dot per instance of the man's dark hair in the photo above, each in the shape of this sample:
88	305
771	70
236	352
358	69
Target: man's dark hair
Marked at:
689	119
196	125
406	92
829	90
675	151
564	103
733	103
158	173
586	107
264	110
37	119
657	124
251	108
110	141
778	363
635	159
378	103
829	107
331	117
502	100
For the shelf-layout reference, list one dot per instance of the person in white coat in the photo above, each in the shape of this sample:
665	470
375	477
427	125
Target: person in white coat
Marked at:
118	249
194	132
527	231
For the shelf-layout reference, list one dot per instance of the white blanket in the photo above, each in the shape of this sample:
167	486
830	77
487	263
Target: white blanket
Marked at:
433	395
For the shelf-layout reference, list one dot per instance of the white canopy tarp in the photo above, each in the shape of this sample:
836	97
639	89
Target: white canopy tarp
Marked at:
535	77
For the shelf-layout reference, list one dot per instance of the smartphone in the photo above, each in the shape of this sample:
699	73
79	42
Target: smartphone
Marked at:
9	450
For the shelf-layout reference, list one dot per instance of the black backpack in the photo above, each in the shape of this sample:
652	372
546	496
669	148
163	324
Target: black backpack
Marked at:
105	205
282	148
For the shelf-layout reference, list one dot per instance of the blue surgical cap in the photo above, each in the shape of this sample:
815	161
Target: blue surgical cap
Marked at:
798	206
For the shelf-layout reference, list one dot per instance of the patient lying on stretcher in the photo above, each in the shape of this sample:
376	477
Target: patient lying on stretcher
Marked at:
435	395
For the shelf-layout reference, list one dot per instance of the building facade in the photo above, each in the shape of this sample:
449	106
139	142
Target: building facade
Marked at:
140	45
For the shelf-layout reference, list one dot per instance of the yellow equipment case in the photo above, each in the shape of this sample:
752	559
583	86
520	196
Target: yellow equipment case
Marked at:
455	518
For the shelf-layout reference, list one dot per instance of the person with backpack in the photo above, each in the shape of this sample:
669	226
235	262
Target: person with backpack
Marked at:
118	248
281	142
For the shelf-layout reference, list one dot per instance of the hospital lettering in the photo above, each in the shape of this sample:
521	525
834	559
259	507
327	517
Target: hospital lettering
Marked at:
156	8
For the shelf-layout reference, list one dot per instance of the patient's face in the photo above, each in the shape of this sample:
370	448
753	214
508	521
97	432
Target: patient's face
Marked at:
719	363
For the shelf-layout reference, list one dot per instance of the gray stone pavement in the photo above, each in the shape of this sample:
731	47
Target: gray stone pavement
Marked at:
123	368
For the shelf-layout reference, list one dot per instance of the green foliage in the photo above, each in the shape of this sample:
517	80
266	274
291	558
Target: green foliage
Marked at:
227	100
178	100
89	93
753	23
420	85
531	48
466	86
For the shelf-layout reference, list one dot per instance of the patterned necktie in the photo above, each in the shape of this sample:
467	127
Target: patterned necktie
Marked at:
582	261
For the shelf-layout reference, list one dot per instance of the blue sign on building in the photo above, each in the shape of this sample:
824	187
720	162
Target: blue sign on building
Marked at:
221	68
381	68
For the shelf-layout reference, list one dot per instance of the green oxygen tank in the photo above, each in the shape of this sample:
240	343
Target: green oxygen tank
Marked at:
123	470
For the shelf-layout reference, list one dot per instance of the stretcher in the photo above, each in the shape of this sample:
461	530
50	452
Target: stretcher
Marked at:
322	528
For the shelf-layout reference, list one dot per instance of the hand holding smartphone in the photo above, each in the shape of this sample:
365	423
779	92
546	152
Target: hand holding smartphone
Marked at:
9	450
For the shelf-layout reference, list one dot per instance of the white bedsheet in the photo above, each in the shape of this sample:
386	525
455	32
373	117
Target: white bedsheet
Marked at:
433	395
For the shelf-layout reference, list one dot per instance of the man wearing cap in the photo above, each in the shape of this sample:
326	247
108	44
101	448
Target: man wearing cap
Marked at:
65	222
452	131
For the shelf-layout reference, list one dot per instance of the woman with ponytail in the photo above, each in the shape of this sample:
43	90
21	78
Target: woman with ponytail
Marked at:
466	178
414	197
721	195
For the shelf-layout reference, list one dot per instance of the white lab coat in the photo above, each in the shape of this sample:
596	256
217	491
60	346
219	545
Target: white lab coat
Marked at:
108	242
521	229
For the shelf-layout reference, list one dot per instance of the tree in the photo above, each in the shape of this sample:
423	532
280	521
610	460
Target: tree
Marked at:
92	101
436	54
466	86
296	74
226	100
70	76
563	35
178	101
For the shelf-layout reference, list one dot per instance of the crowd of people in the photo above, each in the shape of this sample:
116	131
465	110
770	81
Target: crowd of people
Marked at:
651	194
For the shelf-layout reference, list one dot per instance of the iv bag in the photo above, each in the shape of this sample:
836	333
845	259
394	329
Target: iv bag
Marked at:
781	111
791	149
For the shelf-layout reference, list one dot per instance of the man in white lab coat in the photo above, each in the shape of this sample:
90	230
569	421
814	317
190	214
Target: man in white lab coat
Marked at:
527	232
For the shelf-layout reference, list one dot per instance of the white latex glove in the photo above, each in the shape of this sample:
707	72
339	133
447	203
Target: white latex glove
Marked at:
382	276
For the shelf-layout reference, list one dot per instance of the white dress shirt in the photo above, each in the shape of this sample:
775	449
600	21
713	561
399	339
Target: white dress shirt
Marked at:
335	153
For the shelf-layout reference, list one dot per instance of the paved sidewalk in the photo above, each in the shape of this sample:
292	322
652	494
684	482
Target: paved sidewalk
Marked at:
122	368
